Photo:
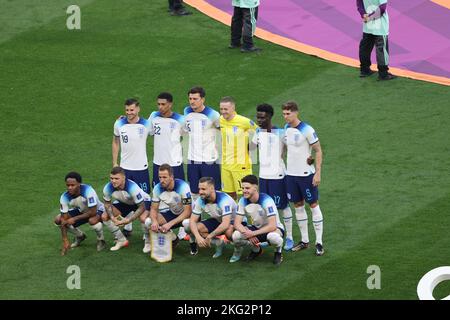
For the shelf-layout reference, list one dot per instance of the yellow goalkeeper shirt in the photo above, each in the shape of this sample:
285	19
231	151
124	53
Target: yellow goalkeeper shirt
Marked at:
235	137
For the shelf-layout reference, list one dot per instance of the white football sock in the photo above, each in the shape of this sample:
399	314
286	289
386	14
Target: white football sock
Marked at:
98	228
302	220
238	240
187	228
75	231
216	241
181	233
287	218
275	239
115	230
317	219
145	231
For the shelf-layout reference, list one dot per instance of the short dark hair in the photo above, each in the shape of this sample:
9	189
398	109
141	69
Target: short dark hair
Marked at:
265	107
131	101
252	179
227	99
118	170
198	90
166	167
73	175
208	180
290	105
166	95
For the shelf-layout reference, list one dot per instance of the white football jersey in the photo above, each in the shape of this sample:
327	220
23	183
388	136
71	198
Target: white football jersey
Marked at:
258	213
174	200
270	149
131	194
87	199
133	143
167	138
202	130
298	141
223	206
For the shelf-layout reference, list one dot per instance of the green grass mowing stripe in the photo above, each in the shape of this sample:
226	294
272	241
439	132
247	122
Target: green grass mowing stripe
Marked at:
404	251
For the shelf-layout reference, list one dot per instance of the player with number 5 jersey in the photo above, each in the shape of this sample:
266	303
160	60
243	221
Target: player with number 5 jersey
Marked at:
303	178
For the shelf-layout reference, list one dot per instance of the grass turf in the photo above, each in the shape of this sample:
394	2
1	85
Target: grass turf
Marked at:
385	185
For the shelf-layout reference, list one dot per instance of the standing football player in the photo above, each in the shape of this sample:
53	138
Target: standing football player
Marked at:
235	130
272	170
303	179
130	138
202	126
166	128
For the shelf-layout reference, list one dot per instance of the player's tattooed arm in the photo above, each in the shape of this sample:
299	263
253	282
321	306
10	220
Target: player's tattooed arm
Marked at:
109	210
134	216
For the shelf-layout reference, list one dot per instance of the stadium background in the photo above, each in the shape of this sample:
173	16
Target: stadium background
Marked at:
385	186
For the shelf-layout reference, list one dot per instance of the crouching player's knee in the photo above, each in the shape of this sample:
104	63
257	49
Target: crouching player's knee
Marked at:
186	226
237	236
275	238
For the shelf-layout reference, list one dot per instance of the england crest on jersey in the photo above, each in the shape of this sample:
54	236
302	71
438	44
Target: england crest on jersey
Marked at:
141	132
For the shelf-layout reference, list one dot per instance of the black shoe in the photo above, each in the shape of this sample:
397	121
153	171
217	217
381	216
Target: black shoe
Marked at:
319	250
366	74
254	255
181	12
251	49
175	242
277	258
127	233
388	76
234	46
194	248
300	246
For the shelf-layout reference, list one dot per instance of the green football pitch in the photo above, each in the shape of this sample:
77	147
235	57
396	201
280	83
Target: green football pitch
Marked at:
385	191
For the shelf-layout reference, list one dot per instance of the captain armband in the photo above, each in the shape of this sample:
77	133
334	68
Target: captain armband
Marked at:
186	201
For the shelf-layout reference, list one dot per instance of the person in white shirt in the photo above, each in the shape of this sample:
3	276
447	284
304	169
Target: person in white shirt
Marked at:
303	178
166	127
272	170
202	126
125	201
130	140
221	209
171	204
266	227
79	205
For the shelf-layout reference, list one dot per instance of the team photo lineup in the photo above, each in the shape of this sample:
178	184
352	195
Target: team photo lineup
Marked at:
221	201
214	150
